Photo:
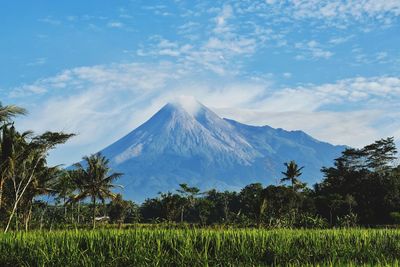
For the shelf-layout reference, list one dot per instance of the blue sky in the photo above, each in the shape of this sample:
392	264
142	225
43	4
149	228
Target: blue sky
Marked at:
101	68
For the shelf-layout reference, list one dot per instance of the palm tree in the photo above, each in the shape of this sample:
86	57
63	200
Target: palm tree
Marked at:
292	173
25	164
94	180
7	112
42	184
64	187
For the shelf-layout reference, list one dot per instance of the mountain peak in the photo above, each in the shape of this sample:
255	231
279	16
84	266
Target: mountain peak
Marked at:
188	103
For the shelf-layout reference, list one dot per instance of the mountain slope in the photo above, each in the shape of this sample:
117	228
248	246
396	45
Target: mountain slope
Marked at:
185	142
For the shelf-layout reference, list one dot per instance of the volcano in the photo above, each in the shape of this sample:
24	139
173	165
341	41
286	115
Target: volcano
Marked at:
186	142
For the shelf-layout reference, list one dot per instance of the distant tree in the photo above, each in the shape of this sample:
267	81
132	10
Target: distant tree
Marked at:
203	208
77	188
278	202
292	173
351	202
362	181
95	180
64	187
189	194
171	206
133	212
151	210
224	206
378	156
381	154
118	209
263	205
250	198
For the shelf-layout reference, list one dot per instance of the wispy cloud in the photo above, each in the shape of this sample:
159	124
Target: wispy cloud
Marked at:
37	62
95	99
340	40
324	110
225	44
115	24
50	20
27	90
345	11
312	50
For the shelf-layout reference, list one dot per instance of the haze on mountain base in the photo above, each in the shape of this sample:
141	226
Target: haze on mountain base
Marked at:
185	142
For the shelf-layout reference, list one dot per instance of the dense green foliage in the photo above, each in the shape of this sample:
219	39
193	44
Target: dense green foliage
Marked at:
363	182
24	174
200	247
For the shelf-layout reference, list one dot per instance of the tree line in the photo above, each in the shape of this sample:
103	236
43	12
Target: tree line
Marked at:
361	188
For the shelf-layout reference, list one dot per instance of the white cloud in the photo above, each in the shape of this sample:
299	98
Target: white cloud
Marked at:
37	62
102	103
221	50
381	56
188	28
287	75
344	9
50	20
222	25
27	90
312	50
323	110
340	40
115	24
341	14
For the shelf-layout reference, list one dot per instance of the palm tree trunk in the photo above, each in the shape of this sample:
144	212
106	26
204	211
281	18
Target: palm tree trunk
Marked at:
16	219
28	218
1	191
72	213
182	210
94	211
293	184
42	218
261	212
18	195
79	211
65	209
103	202
13	213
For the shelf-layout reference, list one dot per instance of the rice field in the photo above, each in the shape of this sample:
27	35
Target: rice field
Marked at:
201	247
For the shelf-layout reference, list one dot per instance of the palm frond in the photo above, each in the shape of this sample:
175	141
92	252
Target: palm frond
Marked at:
7	112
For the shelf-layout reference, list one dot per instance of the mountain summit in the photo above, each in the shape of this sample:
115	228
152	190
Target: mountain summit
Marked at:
185	142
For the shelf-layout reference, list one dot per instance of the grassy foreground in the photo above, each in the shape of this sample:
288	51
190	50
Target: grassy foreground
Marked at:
201	247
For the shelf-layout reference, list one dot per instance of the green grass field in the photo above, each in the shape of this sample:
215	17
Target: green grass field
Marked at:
201	247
